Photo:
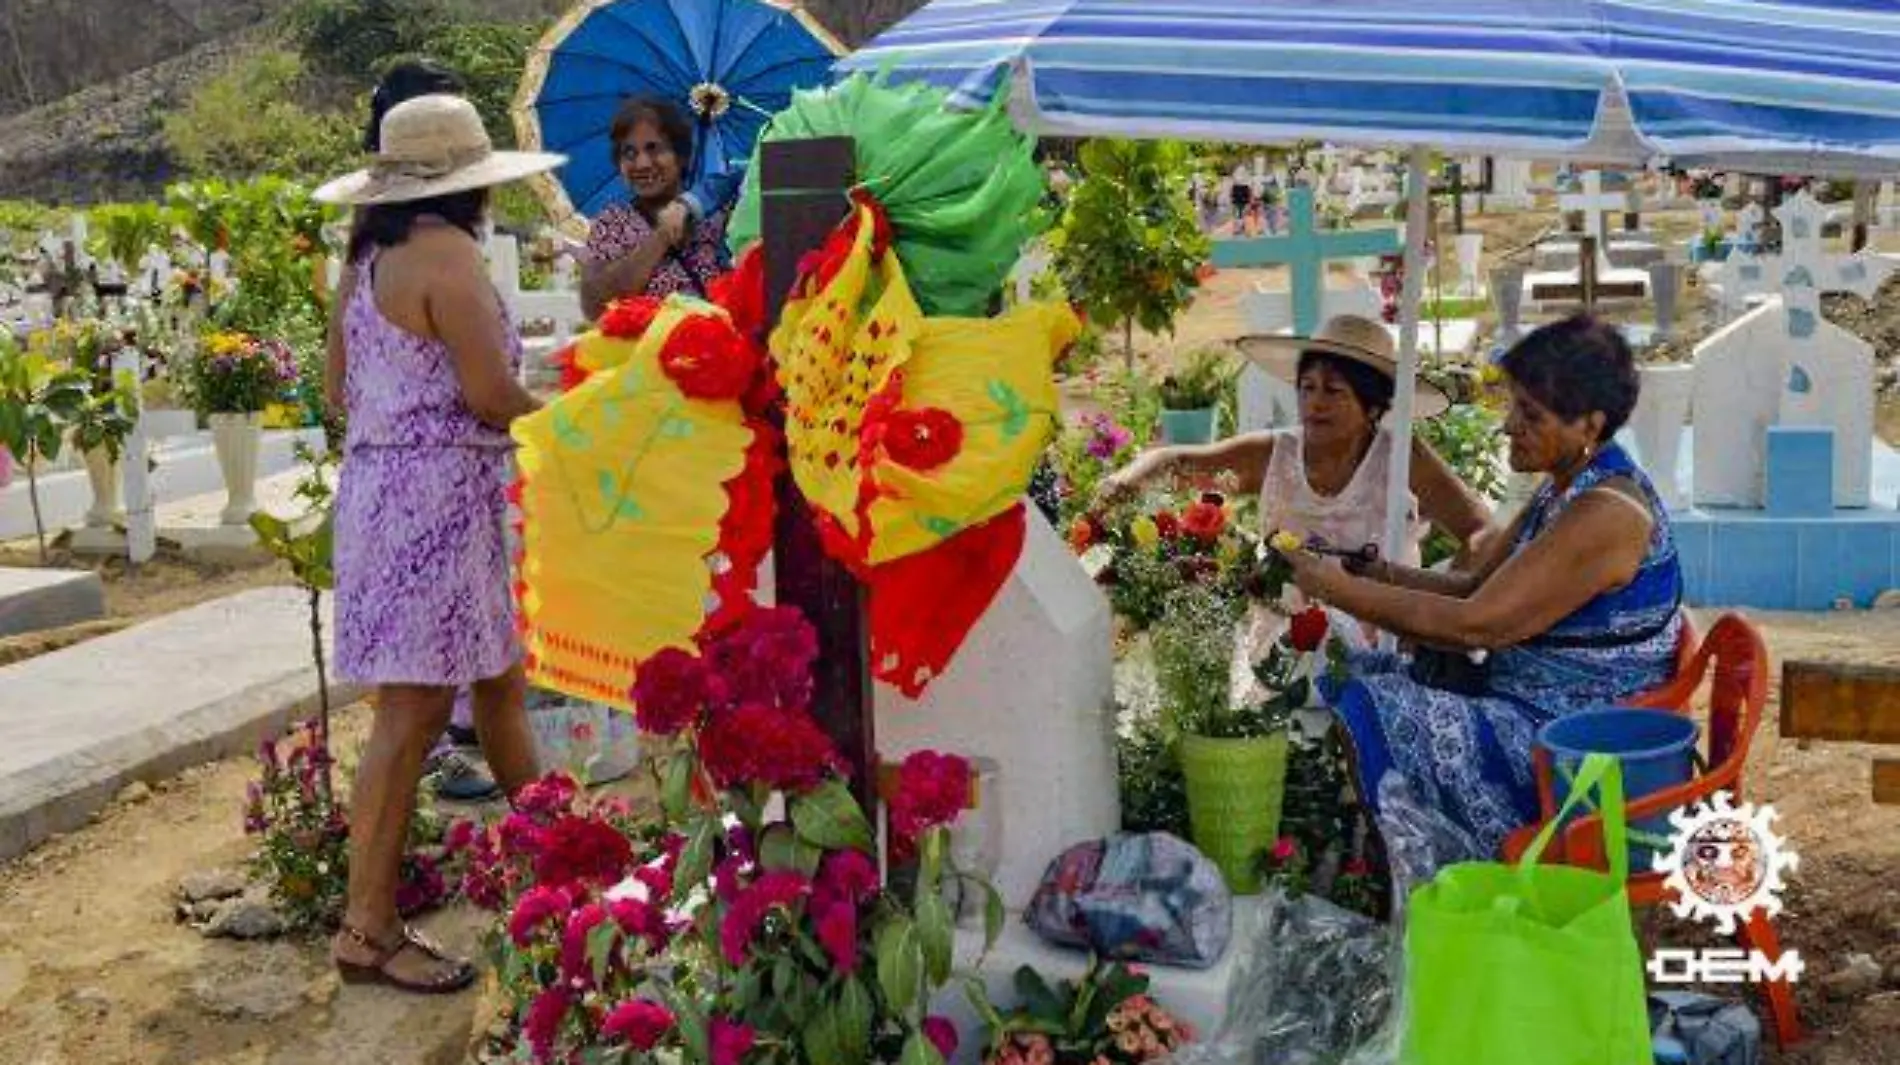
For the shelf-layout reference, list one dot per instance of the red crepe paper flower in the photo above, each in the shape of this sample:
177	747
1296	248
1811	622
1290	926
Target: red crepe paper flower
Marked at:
923	606
640	1024
932	790
630	318
922	439
670	691
1307	629
567	361
708	359
755	744
745	532
741	291
1204	521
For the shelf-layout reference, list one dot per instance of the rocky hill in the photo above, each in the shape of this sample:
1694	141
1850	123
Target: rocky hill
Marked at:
83	83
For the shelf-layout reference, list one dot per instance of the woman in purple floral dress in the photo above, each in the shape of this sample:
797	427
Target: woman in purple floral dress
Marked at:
653	246
422	595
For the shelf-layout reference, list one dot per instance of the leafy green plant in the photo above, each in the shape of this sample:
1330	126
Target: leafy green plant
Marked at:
357	39
1129	246
106	419
38	398
490	57
1104	1018
1201	384
1194	656
251	121
1470	438
125	230
308	545
1153	791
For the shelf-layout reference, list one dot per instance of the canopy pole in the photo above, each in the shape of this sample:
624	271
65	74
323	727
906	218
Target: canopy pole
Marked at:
1398	491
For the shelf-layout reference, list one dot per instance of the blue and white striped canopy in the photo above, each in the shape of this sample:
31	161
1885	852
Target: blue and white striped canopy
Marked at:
1789	86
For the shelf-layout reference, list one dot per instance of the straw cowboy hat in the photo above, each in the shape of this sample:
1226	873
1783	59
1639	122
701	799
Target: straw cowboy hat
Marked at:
1344	336
433	146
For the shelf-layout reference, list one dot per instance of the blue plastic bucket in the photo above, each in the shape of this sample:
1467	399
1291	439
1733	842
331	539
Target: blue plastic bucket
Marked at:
1656	748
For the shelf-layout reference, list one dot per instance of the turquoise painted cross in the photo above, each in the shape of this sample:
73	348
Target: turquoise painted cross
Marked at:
1306	250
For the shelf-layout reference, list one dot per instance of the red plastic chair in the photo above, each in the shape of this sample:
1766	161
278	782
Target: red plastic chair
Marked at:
1738	699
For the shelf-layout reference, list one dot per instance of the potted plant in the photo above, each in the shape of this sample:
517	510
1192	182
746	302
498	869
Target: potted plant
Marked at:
1191	396
237	377
100	428
1233	756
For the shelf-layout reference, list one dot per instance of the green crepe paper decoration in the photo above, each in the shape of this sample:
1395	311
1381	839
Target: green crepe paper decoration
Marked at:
962	187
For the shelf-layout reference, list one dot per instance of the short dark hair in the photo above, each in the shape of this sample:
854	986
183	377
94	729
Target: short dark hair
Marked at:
387	225
405	81
664	113
1372	388
1576	367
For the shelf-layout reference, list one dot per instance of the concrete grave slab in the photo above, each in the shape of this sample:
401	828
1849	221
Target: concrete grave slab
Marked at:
78	725
32	600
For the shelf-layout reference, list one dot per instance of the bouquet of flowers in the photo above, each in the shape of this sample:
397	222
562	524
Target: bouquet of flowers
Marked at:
721	935
239	374
1104	1018
1144	557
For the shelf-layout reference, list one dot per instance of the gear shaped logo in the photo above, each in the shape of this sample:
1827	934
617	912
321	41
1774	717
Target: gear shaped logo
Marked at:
1725	862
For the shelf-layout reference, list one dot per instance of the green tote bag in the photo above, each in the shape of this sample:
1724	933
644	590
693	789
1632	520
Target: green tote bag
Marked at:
1529	964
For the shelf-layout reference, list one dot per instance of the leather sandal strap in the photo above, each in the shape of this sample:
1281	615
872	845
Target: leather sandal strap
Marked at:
382	952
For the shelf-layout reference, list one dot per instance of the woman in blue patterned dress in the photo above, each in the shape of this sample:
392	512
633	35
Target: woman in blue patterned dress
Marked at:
1578	607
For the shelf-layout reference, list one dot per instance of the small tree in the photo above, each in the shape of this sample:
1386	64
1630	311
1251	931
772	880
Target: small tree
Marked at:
1129	247
309	555
38	397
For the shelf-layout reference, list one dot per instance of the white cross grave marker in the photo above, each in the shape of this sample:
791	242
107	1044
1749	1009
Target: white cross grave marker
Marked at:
141	522
154	271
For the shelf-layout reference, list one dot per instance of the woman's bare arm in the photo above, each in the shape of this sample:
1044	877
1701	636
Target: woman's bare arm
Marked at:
466	315
1245	456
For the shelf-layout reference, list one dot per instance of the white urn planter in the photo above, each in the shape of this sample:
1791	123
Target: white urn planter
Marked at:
1661	414
236	438
102	471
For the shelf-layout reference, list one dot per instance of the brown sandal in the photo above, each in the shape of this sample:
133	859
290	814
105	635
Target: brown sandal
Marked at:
460	974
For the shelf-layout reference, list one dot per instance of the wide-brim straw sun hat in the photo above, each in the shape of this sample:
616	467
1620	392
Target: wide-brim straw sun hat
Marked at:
433	146
1344	336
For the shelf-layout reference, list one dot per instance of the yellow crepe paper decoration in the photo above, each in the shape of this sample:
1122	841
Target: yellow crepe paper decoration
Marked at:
623	488
994	376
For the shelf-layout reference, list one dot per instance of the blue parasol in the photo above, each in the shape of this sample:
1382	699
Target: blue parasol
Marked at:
732	64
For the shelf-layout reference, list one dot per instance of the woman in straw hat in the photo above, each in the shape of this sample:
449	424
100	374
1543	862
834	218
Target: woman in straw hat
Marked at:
1326	478
422	594
1579	606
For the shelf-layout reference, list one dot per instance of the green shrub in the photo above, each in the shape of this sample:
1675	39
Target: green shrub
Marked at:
251	121
491	58
356	39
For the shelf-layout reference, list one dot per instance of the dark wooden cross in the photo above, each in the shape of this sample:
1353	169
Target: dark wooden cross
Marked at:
805	185
1846	703
1456	188
1588	289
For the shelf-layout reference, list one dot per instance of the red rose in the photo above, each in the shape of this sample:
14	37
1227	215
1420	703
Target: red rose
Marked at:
639	1023
629	319
1167	524
670	691
922	439
1204	521
932	789
1286	849
708	359
1307	630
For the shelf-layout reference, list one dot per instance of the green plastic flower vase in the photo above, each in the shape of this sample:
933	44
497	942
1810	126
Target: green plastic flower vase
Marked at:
1188	426
1234	792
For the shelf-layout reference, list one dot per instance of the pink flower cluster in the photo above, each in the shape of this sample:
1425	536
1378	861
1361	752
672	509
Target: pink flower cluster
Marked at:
1142	1031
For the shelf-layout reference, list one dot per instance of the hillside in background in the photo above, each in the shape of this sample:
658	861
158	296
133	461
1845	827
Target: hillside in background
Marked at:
85	84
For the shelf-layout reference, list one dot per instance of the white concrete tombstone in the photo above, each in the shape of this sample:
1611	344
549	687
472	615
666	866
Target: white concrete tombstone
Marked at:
1031	691
1470	262
1748	377
1887	207
1748	226
566	273
1266	402
141	520
155	271
219	265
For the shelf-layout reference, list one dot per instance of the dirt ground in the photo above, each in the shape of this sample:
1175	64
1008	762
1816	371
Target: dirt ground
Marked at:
94	971
168	583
